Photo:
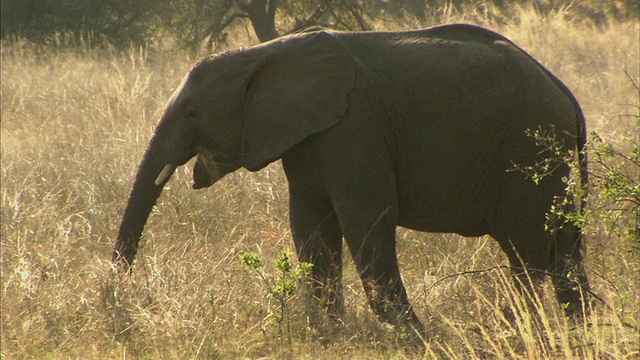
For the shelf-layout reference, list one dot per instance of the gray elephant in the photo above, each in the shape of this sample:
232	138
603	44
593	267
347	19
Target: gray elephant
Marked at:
375	130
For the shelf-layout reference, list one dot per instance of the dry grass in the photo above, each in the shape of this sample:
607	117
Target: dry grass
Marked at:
74	128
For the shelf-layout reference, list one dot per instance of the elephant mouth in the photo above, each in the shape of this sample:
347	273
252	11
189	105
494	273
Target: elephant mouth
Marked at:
207	171
209	167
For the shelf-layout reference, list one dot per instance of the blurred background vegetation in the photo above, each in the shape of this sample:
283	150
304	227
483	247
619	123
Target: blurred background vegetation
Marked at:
204	25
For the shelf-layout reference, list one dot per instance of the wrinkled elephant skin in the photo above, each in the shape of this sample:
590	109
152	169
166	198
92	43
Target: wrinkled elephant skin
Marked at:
376	130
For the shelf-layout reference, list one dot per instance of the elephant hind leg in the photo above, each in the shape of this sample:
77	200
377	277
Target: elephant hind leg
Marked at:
558	255
519	227
527	270
522	236
568	274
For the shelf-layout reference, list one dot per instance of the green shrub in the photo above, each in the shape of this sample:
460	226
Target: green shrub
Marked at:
282	285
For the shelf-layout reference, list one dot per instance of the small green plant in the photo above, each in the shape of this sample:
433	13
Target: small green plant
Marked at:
282	285
617	177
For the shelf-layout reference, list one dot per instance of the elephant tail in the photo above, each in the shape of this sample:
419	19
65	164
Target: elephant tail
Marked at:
582	156
581	136
583	159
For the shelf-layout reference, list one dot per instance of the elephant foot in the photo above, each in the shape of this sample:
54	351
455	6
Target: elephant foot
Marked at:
325	329
411	337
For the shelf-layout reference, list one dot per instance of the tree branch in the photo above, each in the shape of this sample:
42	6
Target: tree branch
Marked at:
311	20
355	13
229	20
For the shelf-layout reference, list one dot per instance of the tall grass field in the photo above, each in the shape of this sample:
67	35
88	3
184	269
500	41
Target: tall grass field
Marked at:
74	128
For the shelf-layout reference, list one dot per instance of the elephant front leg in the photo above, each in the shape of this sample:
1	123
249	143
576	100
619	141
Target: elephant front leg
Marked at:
370	236
318	240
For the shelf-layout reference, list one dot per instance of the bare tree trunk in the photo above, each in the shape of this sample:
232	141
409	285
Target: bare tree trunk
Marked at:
262	14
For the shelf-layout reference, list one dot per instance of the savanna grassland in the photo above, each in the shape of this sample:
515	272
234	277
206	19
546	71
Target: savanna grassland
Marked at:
75	125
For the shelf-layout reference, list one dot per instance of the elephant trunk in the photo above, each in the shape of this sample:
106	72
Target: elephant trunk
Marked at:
154	172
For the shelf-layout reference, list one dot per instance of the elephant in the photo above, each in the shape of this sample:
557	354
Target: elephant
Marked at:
419	129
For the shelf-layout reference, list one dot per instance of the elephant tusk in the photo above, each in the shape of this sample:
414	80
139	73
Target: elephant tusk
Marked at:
165	173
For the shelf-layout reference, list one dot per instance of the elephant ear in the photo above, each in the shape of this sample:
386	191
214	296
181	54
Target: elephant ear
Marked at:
300	89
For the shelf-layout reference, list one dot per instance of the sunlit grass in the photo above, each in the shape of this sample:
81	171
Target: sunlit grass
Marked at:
74	128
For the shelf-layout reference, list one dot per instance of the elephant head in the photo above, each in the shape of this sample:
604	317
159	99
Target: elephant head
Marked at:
240	109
